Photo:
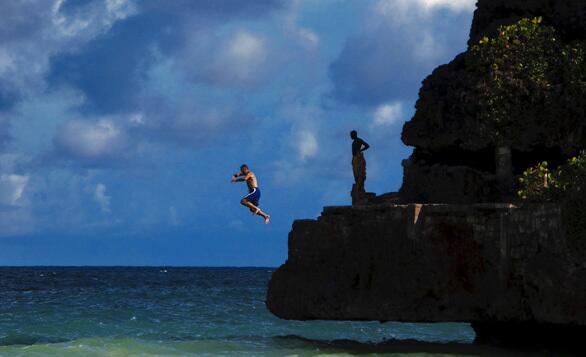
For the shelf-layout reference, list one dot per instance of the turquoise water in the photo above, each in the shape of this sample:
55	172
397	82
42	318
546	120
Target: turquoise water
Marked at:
187	311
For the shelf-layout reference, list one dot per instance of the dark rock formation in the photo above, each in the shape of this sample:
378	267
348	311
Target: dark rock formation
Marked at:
452	153
486	264
512	272
569	16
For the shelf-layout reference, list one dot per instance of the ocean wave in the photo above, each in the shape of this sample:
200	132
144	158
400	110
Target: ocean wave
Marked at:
252	346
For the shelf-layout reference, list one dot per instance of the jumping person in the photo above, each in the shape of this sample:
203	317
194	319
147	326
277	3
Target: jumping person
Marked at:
250	200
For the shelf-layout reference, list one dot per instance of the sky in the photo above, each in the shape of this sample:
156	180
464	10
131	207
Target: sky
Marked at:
121	121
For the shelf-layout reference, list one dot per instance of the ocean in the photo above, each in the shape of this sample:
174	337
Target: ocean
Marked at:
167	311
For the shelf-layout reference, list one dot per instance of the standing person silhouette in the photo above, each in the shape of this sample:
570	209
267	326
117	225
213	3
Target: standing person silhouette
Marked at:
253	197
358	161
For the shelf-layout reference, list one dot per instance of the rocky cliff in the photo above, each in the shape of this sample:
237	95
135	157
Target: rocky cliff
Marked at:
569	16
511	270
453	159
485	264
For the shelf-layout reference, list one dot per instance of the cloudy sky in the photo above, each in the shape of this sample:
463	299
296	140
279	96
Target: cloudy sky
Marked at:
121	121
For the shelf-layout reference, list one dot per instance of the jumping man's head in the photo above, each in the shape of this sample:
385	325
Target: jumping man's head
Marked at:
244	169
353	134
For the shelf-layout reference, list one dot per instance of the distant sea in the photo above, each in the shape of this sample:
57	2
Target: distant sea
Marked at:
50	311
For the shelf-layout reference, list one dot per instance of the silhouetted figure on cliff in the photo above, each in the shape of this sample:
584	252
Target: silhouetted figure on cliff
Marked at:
358	162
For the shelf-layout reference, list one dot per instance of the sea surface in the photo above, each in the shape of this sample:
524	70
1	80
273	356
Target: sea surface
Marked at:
49	311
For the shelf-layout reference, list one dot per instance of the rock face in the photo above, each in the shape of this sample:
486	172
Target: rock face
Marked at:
452	154
569	16
512	272
486	264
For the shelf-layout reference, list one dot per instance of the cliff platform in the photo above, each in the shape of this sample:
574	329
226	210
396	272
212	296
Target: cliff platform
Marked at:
508	270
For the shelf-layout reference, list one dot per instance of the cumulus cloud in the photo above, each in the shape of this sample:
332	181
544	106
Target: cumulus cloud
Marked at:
388	114
174	109
238	58
101	198
15	211
215	9
420	8
90	20
91	141
242	57
29	41
307	145
12	188
399	44
306	37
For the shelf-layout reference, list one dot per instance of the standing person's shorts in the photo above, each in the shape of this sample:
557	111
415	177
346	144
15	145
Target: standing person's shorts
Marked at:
359	167
253	197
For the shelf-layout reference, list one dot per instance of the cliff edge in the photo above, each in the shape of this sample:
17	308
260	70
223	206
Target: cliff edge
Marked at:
488	264
463	253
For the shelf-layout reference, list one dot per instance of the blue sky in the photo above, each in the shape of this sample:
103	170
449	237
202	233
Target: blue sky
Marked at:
121	121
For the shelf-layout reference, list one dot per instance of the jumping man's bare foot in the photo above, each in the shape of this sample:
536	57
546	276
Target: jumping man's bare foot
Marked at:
267	219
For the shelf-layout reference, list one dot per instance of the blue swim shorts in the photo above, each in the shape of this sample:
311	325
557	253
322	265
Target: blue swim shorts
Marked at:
253	197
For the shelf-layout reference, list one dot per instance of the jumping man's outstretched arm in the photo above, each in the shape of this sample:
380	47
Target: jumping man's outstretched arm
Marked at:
240	177
237	177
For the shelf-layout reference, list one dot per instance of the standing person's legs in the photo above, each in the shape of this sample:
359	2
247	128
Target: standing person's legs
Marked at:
355	168
359	171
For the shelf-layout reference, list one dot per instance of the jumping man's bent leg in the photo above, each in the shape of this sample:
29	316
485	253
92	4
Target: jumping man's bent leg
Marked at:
255	210
250	205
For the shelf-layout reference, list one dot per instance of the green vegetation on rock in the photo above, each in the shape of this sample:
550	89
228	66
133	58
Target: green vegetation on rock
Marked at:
527	76
566	185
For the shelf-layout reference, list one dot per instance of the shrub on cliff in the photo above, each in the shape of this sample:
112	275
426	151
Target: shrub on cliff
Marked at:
542	184
515	72
565	185
527	78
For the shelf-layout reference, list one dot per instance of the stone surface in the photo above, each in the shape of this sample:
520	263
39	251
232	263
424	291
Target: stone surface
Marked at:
458	184
569	16
452	154
429	263
510	271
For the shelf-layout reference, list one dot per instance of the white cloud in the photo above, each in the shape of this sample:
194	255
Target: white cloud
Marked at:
102	199
416	15
233	58
136	119
92	140
428	48
309	38
305	36
307	145
39	30
246	47
12	188
36	118
400	43
242	57
454	5
15	211
407	10
93	19
388	114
